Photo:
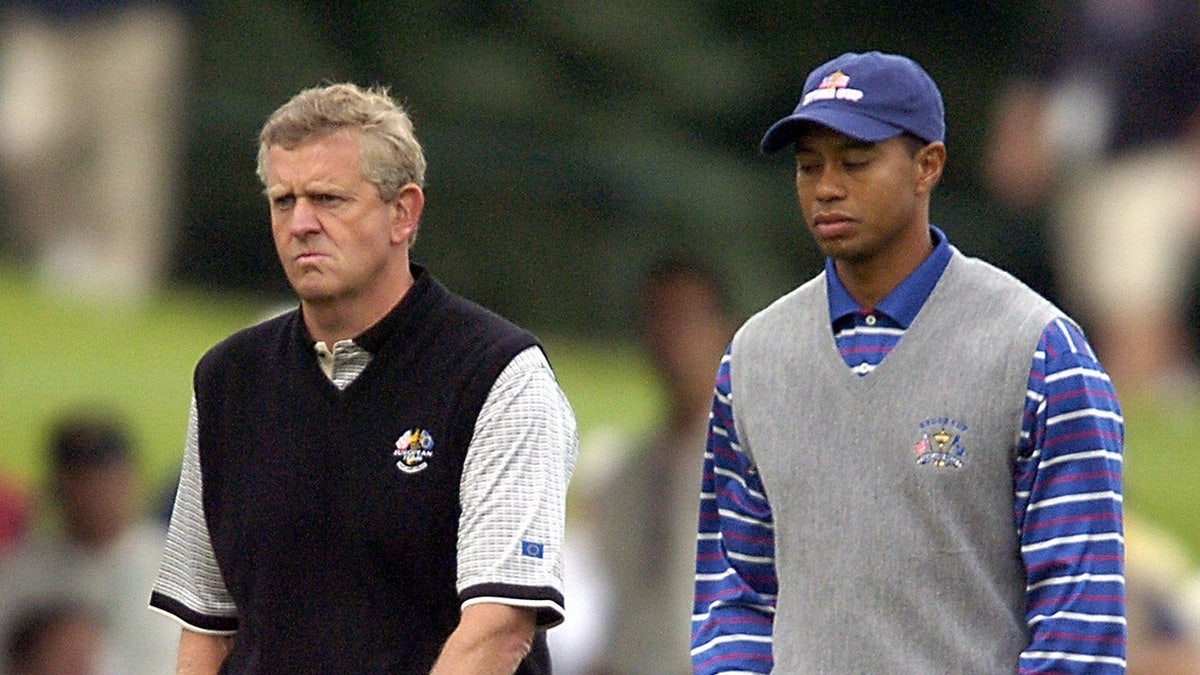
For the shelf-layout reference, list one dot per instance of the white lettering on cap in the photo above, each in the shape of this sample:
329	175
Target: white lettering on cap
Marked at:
841	93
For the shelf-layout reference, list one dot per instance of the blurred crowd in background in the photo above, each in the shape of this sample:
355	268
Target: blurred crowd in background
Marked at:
1089	157
74	572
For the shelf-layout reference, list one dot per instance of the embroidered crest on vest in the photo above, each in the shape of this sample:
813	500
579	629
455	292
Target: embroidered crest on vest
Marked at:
941	443
414	448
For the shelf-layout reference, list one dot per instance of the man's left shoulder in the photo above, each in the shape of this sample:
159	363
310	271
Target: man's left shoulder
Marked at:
1000	303
987	281
476	327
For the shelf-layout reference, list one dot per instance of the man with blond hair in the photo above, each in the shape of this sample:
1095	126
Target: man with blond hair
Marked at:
375	481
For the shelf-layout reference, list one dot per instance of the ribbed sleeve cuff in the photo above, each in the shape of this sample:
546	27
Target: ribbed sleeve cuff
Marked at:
545	600
201	623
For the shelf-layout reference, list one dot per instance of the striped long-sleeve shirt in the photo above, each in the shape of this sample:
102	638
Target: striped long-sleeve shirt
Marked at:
1066	502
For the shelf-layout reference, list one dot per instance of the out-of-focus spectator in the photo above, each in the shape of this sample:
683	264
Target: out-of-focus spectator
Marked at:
56	639
101	551
1164	636
15	512
1103	137
637	505
91	97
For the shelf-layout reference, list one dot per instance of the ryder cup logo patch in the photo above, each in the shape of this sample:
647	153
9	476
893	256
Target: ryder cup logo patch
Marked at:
414	448
834	86
941	443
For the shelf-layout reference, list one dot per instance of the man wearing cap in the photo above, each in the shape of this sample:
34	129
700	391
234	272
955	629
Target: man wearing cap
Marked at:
914	461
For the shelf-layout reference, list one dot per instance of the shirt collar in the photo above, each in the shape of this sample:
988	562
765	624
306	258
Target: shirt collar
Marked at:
906	299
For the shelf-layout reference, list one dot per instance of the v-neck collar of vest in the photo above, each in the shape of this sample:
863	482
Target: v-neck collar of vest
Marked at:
406	317
912	335
396	321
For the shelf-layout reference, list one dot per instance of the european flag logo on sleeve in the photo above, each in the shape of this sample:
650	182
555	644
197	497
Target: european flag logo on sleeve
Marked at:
531	549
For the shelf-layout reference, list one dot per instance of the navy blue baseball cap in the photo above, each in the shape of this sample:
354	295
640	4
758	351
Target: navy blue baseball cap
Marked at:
871	97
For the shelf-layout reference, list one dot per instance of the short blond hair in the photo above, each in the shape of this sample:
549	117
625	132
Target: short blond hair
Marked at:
391	155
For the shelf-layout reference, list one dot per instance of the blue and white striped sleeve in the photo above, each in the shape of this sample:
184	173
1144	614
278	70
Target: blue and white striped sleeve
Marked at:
1068	510
735	554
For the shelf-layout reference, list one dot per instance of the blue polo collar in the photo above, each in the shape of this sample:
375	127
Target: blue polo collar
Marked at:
905	300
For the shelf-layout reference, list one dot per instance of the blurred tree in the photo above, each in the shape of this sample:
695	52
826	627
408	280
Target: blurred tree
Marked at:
570	141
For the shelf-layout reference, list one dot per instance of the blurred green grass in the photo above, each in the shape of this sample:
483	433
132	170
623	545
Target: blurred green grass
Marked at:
64	352
60	351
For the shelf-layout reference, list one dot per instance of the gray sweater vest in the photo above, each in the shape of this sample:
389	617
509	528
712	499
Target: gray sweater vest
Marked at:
892	494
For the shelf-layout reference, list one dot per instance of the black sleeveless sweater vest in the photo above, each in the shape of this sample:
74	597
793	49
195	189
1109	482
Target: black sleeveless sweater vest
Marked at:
336	539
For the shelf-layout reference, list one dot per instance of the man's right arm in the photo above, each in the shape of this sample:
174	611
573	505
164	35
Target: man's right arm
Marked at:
201	653
734	609
189	587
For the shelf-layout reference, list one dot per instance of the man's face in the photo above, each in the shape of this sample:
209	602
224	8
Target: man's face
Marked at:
334	235
862	202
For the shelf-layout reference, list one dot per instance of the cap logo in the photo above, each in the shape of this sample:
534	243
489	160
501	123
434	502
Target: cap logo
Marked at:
834	86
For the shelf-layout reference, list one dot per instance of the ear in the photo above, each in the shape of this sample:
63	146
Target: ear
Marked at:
929	162
406	208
